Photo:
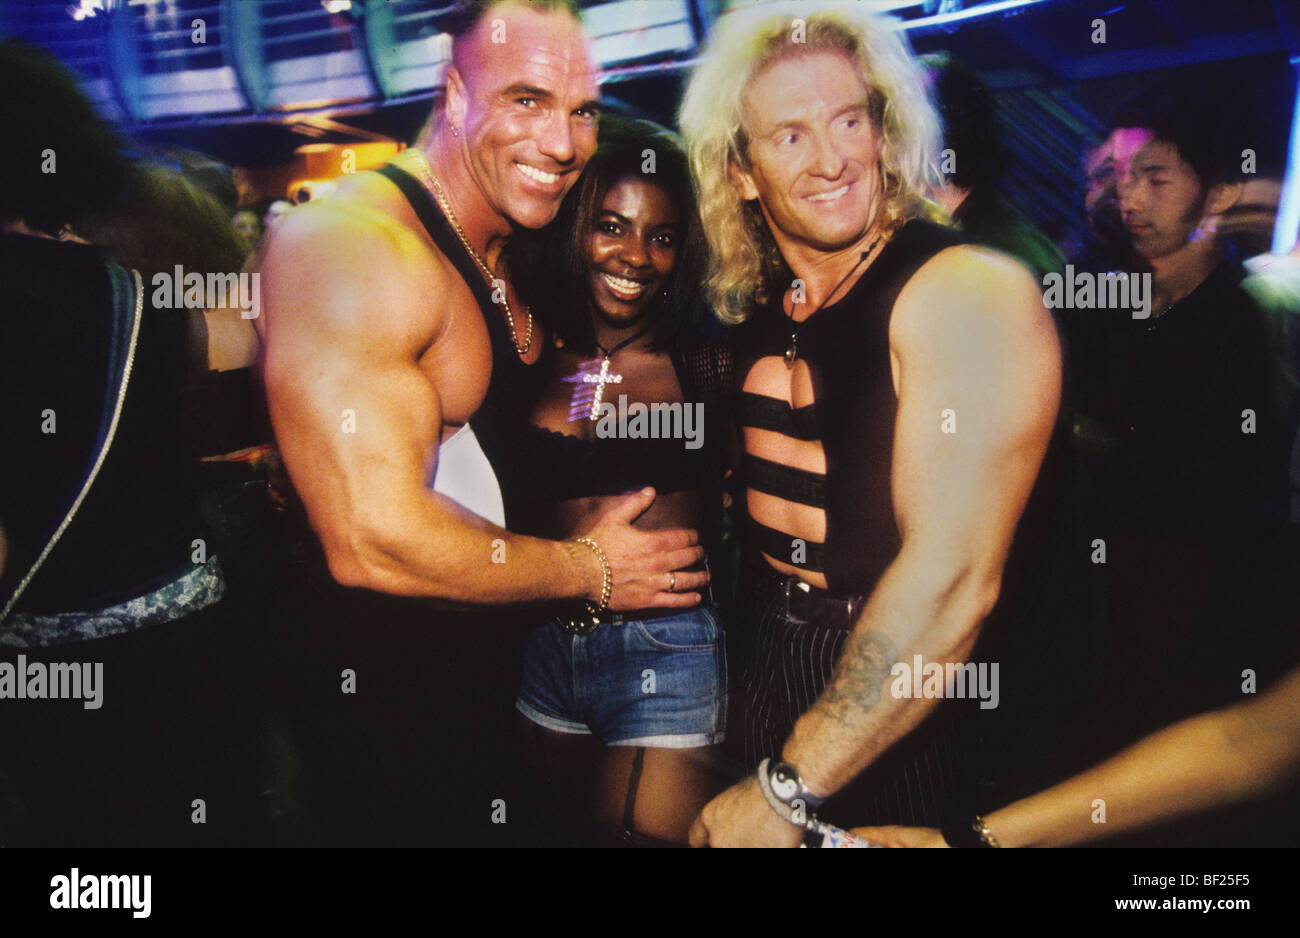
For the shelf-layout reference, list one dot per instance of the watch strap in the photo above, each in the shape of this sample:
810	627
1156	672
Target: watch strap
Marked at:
776	804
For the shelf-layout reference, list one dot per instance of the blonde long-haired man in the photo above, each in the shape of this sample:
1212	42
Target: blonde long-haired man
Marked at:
899	394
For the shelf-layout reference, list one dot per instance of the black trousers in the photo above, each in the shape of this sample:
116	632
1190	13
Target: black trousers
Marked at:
403	715
169	758
935	772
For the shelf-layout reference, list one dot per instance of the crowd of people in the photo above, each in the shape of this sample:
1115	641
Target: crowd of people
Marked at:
576	482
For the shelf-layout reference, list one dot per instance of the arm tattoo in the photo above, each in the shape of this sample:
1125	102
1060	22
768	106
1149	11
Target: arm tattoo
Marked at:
859	677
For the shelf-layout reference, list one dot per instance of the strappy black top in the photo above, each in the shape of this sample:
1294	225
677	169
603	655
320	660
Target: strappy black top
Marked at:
846	346
135	530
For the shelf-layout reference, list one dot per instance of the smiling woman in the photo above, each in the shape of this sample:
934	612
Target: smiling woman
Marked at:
624	709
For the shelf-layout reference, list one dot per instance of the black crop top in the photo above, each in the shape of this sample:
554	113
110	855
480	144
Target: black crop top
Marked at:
545	466
570	467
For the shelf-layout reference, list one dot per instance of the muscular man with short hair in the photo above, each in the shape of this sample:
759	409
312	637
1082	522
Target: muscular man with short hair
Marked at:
388	321
899	393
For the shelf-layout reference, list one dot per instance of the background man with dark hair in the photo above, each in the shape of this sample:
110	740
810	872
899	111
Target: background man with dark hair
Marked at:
971	192
1188	446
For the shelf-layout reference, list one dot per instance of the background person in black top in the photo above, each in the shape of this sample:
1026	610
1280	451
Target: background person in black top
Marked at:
813	147
972	192
127	586
1187	442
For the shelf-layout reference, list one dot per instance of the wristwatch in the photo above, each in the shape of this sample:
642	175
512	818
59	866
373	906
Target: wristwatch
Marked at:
788	788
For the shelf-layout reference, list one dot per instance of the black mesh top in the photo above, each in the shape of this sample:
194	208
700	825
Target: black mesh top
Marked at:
570	467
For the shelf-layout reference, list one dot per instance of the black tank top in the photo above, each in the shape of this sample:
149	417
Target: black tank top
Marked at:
134	531
515	384
507	371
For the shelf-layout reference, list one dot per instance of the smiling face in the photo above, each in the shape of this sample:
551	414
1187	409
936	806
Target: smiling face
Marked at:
526	109
814	153
632	250
1160	196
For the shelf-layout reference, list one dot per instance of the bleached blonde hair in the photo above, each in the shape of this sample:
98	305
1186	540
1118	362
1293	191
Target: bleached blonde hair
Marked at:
743	255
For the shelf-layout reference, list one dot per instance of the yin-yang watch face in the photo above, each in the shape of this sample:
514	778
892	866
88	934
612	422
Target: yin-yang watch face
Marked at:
785	783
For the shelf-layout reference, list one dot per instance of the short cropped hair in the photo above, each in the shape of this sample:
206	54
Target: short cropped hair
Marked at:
465	15
743	256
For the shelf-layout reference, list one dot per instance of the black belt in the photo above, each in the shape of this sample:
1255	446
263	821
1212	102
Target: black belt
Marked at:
578	620
804	604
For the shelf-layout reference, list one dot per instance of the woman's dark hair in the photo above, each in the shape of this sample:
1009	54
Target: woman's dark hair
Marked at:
549	267
167	220
50	124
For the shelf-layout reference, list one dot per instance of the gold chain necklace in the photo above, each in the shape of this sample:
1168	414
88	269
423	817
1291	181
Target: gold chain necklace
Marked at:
441	198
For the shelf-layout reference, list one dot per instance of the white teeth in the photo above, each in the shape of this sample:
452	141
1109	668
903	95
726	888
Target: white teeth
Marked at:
628	288
532	172
827	196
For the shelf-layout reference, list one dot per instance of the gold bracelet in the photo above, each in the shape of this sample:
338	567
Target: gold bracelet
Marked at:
606	576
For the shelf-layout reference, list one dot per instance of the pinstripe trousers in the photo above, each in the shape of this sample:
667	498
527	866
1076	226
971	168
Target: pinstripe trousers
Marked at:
932	774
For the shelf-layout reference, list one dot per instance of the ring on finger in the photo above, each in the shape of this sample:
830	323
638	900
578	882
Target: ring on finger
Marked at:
672	582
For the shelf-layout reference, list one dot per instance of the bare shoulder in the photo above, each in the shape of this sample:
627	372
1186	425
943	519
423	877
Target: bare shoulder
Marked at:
969	282
968	294
345	264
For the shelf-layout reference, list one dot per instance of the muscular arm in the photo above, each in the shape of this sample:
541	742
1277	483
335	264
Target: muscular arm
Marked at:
350	306
970	335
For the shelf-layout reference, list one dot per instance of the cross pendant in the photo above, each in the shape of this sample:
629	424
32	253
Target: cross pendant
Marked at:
600	381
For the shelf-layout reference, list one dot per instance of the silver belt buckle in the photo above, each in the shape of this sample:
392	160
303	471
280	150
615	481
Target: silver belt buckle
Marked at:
794	585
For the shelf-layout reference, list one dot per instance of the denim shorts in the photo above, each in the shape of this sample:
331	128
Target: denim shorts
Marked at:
659	682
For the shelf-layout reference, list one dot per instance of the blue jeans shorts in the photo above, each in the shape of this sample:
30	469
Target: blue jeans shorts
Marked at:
659	682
